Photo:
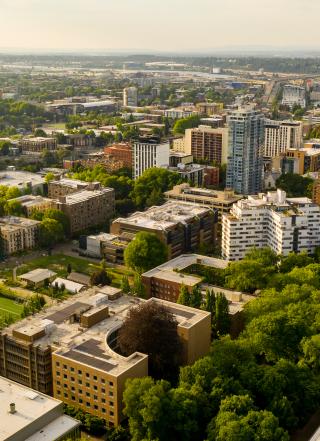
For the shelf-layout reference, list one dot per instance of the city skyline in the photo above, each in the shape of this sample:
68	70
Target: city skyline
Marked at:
157	26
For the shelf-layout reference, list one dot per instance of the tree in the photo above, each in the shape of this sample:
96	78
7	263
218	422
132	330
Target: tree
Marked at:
144	252
13	208
149	187
40	133
184	296
294	260
51	233
59	216
221	318
210	302
151	329
295	185
138	287
125	285
49	177
69	268
100	277
195	297
181	125
4	148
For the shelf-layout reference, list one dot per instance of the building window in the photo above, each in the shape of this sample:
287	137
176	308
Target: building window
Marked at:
79	372
57	363
111	412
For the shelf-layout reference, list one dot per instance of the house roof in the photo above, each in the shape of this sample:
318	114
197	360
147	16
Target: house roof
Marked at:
38	275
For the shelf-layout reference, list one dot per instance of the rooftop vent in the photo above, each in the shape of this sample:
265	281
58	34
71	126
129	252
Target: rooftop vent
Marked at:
12	408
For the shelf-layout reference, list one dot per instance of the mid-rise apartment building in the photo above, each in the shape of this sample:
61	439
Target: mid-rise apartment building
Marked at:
183	227
87	208
18	234
71	350
245	154
130	97
271	220
206	143
37	145
28	415
148	154
316	192
65	186
294	95
281	136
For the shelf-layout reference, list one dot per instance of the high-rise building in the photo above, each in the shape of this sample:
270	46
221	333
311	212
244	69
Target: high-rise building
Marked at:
207	144
148	154
294	95
281	136
271	220
130	97
245	154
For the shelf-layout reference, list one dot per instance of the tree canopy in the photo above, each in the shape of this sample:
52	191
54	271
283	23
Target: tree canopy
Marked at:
151	329
145	251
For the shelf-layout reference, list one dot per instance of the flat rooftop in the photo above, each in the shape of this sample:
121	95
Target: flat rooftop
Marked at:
14	222
57	327
202	194
30	406
165	216
73	183
85	195
16	178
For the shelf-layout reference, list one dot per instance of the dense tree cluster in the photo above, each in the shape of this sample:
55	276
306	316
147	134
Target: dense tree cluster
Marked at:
295	185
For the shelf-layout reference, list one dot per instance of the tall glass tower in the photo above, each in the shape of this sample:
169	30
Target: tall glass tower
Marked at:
245	152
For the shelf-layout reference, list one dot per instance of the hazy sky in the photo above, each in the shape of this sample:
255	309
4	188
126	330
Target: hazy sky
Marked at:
175	25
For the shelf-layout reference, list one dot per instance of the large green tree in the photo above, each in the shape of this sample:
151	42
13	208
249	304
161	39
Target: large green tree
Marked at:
144	252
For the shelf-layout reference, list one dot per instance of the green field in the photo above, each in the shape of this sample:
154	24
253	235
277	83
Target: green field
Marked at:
8	306
59	262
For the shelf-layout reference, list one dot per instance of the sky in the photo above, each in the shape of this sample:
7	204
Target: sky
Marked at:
158	25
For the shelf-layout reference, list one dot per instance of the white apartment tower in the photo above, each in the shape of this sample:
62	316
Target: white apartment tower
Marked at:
130	97
271	220
293	94
147	155
281	136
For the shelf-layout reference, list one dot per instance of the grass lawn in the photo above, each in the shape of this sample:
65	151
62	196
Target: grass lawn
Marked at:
8	306
58	263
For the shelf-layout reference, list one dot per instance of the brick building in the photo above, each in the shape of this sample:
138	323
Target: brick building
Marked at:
206	143
120	152
37	145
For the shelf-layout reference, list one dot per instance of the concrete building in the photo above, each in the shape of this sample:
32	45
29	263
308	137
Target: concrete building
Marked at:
245	155
38	277
306	159
28	415
37	145
22	180
207	144
130	97
316	192
65	186
120	152
18	234
181	226
221	201
194	173
31	203
294	95
180	112
149	154
71	350
281	136
273	220
177	145
87	208
210	109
